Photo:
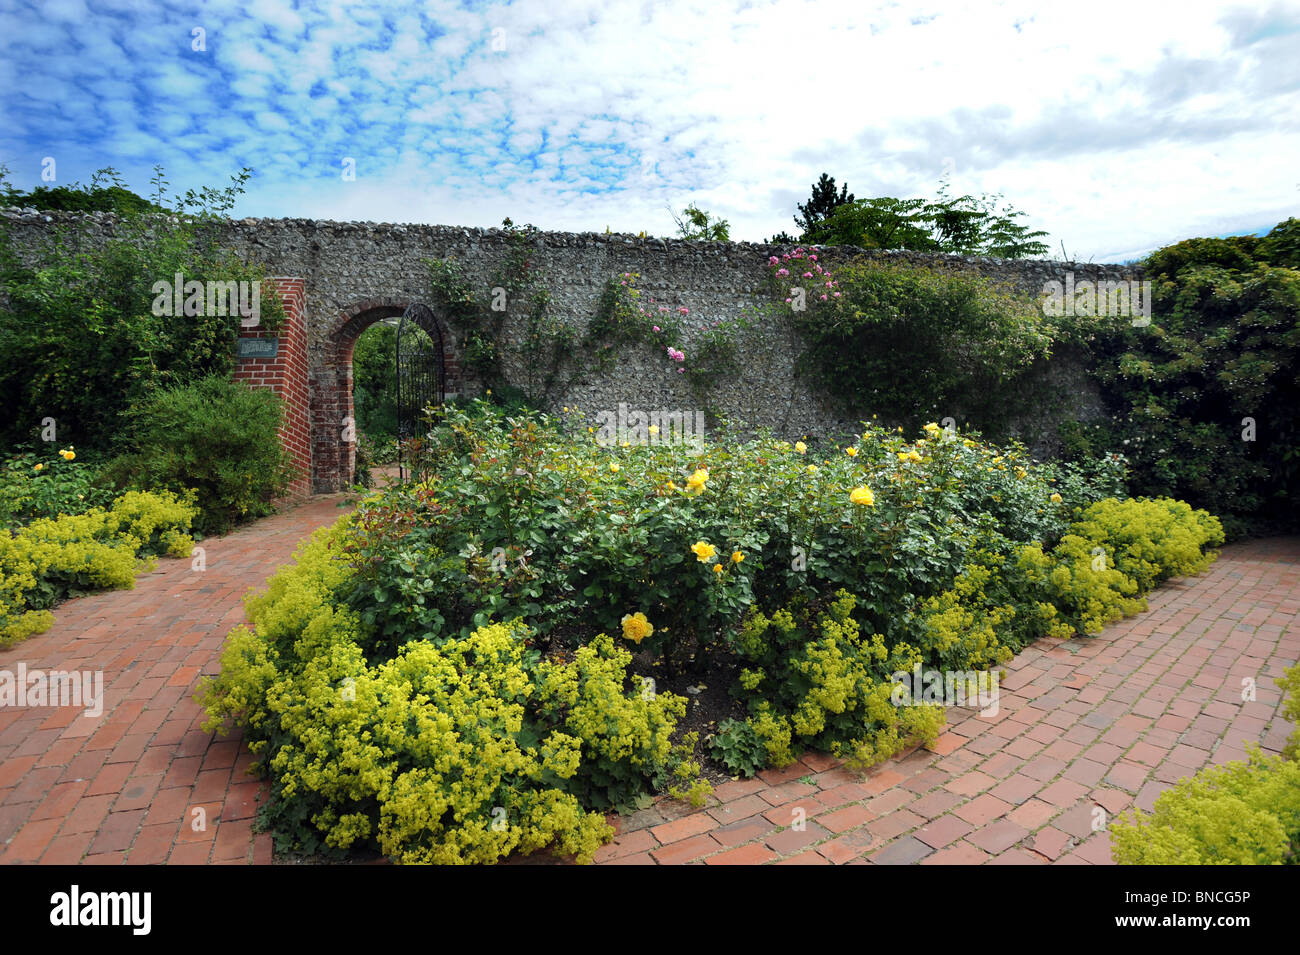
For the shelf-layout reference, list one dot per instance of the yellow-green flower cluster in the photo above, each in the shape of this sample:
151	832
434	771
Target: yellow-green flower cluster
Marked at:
102	548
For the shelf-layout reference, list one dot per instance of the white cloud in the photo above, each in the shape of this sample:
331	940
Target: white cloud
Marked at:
1117	130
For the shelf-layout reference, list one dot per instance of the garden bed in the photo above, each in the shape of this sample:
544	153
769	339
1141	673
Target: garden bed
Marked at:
457	672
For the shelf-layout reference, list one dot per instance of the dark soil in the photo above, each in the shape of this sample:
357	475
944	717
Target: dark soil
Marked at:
708	703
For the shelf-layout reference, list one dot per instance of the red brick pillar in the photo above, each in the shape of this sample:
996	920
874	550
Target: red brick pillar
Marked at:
284	372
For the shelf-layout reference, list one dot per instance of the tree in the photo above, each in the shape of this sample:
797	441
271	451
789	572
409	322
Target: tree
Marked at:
961	226
97	197
695	223
822	205
883	223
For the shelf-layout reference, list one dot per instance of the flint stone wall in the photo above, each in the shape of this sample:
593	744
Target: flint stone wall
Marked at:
356	273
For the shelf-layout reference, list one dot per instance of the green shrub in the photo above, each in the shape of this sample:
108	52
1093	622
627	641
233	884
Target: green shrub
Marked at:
1290	683
738	747
48	484
1237	814
78	332
479	588
463	751
1113	554
217	437
810	679
882	323
53	558
1202	399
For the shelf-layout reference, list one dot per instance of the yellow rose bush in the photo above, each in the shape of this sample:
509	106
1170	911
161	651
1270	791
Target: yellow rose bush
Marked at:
466	666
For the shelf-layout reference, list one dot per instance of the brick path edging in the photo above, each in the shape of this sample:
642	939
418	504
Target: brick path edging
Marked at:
1099	722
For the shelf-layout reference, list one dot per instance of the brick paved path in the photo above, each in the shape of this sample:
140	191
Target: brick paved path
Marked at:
124	787
1097	721
1086	724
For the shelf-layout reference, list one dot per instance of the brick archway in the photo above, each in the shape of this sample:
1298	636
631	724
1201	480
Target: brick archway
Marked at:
332	436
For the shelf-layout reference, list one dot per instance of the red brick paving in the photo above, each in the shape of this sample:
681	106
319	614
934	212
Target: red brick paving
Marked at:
129	785
1085	728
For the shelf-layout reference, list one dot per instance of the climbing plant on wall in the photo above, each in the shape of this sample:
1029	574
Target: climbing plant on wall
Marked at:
511	313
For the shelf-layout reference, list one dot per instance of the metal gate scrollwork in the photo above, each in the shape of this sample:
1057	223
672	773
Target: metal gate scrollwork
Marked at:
421	378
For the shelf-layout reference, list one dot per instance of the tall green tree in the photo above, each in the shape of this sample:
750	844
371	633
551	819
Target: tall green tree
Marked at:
961	225
822	205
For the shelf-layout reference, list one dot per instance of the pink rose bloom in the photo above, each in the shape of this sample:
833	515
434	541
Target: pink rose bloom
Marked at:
823	298
656	328
813	257
681	371
684	310
773	260
807	275
837	294
787	301
782	271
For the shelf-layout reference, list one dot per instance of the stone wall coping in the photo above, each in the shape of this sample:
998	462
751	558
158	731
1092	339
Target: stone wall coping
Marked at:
560	239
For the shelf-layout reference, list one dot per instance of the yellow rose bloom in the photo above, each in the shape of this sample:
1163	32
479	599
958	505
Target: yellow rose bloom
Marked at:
932	427
913	456
636	627
737	557
704	551
39	467
717	568
1055	498
851	452
811	469
902	455
614	466
862	495
653	429
800	447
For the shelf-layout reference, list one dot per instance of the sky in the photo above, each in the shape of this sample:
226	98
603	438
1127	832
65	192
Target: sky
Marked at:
1115	127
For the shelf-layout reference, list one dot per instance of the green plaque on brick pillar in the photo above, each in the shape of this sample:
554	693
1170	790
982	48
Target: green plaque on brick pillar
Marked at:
258	348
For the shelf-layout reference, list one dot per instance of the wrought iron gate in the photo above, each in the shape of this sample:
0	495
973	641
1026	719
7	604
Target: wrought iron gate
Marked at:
421	378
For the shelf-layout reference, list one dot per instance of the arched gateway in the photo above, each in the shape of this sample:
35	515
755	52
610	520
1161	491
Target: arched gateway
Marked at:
314	379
